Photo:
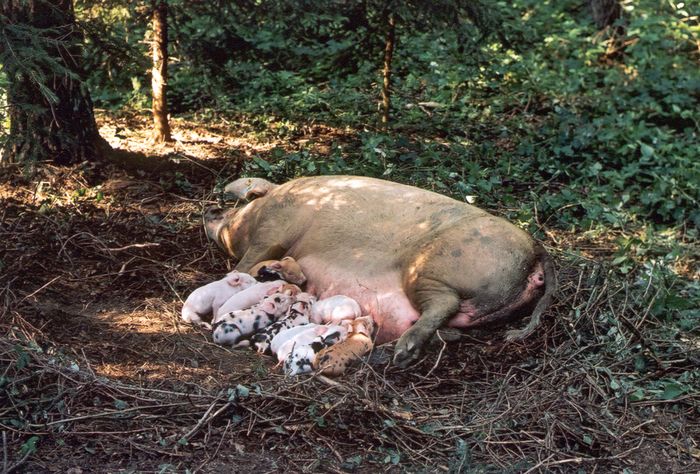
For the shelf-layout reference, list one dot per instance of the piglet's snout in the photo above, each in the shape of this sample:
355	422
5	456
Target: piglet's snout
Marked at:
537	279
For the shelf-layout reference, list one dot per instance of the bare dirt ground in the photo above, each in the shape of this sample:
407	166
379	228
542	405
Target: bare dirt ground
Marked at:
100	375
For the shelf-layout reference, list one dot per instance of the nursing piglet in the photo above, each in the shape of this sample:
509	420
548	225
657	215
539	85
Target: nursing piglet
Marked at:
253	295
286	269
336	359
302	356
335	309
298	315
232	328
282	344
208	298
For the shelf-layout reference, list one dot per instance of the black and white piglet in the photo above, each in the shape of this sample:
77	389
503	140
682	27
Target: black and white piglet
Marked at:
231	328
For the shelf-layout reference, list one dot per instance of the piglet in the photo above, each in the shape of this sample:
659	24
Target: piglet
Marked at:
335	309
302	356
285	339
252	296
208	298
336	359
232	328
286	269
298	315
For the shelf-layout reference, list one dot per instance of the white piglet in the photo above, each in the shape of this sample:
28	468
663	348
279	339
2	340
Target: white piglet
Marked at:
208	298
232	328
335	309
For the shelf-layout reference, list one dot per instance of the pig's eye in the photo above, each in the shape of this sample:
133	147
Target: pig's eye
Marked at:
277	300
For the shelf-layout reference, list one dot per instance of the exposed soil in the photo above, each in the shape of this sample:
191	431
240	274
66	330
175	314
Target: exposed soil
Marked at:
95	263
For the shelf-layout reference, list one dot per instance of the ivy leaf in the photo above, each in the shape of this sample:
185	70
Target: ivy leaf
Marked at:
637	395
671	391
242	391
262	163
120	404
29	446
647	151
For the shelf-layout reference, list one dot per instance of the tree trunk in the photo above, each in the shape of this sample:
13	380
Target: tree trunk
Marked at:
51	114
388	55
605	12
159	75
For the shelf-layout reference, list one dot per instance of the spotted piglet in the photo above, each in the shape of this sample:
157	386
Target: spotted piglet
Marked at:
253	295
283	343
302	356
208	298
335	360
298	315
232	328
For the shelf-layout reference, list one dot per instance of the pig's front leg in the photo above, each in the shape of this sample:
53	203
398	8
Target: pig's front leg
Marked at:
438	306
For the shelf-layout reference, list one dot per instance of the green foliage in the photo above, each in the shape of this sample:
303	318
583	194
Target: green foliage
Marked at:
623	129
28	56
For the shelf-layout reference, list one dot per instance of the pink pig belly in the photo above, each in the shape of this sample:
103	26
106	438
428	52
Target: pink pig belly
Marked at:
380	295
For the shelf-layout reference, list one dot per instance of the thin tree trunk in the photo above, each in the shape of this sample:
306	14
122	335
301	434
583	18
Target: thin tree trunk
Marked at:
159	75
388	55
605	12
51	114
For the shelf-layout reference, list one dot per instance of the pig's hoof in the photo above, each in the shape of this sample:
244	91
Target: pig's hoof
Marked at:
407	352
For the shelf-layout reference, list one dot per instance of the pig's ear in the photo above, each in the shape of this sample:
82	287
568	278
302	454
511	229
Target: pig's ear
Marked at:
249	188
234	280
320	330
275	266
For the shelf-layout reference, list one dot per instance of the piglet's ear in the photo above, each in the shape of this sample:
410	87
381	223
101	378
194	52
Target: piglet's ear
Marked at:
234	281
273	290
276	266
321	330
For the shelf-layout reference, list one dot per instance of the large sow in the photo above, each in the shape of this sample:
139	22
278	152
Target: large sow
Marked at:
413	259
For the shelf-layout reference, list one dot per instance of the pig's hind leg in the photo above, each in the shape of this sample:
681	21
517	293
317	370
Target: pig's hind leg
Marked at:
438	304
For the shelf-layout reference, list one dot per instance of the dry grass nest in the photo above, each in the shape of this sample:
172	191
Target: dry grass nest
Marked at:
98	373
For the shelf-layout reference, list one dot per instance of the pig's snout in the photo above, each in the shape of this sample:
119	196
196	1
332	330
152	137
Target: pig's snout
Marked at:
212	218
537	279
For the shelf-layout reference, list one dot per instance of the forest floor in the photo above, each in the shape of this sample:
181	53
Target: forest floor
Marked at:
101	375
